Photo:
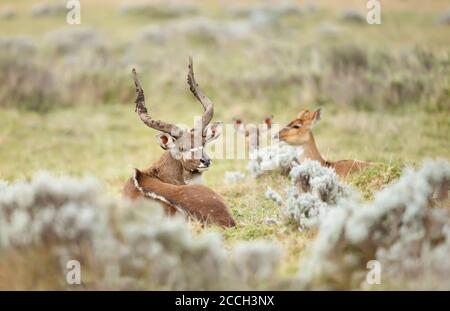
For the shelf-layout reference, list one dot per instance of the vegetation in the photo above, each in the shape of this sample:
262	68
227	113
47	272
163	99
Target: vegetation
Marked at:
66	94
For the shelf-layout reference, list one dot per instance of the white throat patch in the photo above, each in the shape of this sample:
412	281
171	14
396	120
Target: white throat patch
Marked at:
196	180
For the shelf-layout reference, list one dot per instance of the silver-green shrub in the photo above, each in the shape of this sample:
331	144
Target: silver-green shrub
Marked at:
49	9
314	188
130	246
274	157
18	45
233	177
399	229
7	12
168	10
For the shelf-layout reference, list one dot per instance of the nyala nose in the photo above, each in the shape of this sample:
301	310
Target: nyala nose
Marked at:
205	162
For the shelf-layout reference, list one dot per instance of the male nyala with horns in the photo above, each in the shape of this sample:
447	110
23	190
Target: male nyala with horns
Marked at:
169	180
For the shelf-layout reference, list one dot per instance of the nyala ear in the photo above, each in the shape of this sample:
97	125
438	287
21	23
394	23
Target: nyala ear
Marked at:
268	121
165	141
212	131
237	122
303	114
316	116
239	126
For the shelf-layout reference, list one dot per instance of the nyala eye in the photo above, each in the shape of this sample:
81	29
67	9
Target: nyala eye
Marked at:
296	126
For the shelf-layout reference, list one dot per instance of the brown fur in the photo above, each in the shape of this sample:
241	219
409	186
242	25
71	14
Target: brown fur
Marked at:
298	132
172	171
196	201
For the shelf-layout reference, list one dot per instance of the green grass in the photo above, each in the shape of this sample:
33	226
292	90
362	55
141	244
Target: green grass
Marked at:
110	142
249	78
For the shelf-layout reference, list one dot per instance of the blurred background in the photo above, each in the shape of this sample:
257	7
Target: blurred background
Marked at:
67	106
66	93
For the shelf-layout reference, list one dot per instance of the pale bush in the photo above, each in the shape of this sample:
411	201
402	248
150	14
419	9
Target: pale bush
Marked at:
371	78
19	45
25	85
274	196
310	7
314	189
303	208
134	246
82	48
251	263
49	209
271	11
399	229
204	28
444	19
328	29
321	181
7	12
49	9
234	177
72	79
168	10
75	39
198	27
353	16
161	253
3	185
279	156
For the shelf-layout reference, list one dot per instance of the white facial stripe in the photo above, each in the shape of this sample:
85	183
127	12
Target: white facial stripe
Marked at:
195	149
155	196
188	153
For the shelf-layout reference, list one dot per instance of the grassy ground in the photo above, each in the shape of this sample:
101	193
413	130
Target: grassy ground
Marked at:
108	141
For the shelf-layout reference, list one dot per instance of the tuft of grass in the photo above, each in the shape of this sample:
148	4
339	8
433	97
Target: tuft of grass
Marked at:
157	11
375	178
353	16
444	19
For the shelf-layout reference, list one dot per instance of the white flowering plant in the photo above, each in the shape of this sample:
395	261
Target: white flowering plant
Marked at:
274	157
399	228
233	177
127	245
313	189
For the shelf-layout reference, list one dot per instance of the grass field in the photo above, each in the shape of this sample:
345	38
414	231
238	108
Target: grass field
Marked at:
392	108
